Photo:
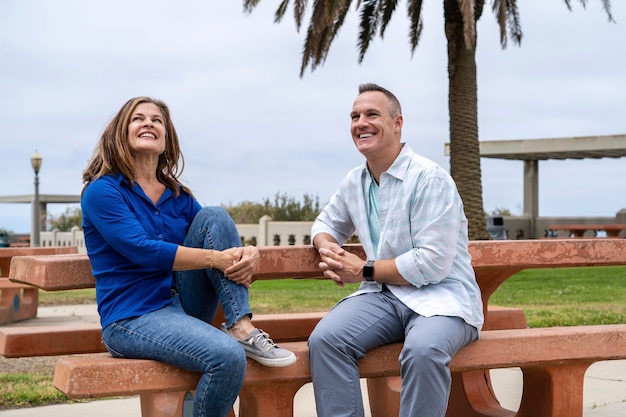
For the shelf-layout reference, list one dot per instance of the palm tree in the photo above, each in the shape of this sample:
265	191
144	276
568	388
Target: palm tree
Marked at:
460	28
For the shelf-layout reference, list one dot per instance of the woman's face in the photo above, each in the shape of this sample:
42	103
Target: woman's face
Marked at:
146	130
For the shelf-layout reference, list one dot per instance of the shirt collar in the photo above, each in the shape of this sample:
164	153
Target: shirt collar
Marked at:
121	179
400	166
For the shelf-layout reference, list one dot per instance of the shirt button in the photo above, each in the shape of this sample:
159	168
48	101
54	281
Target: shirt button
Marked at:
160	236
157	212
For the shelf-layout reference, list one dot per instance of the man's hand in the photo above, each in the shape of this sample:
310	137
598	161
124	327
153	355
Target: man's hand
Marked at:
340	265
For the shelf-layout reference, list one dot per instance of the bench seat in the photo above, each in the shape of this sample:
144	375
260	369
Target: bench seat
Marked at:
55	339
553	361
30	341
79	338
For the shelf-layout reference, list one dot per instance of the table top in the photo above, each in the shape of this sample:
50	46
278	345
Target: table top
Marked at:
494	261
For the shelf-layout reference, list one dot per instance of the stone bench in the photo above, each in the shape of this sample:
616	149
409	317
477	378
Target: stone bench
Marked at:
553	362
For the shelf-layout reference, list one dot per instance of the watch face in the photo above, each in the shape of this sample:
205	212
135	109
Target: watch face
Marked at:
368	270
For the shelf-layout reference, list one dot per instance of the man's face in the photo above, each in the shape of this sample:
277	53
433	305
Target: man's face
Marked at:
374	130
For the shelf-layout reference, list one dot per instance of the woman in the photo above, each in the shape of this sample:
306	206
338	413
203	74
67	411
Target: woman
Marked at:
162	262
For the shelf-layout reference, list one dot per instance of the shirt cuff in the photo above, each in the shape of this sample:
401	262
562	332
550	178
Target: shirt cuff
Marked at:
407	267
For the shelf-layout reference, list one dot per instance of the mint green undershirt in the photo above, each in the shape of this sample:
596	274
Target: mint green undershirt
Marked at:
373	216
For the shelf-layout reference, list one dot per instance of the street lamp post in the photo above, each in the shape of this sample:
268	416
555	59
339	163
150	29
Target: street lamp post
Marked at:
35	161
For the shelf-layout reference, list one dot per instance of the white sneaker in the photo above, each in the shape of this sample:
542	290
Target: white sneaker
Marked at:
261	348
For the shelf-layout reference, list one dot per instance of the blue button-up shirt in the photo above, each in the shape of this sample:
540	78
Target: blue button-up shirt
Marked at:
422	226
131	243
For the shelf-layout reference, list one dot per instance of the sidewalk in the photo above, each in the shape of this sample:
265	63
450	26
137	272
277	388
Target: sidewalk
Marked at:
605	386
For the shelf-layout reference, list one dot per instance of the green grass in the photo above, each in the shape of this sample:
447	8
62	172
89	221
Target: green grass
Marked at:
290	296
28	390
48	298
549	297
567	296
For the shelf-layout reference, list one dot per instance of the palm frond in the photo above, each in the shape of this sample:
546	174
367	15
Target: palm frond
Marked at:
514	21
606	5
249	5
368	26
280	13
340	12
499	9
415	23
314	33
469	23
569	4
326	20
340	18
386	11
299	9
507	16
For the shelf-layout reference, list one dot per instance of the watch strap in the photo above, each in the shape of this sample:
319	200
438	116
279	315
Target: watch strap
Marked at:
368	271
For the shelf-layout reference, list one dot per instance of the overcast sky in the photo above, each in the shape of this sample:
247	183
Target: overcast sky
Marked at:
250	127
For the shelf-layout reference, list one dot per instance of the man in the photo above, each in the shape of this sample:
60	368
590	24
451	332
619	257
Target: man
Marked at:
417	283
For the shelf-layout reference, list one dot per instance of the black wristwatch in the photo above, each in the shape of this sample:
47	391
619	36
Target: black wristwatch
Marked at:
368	271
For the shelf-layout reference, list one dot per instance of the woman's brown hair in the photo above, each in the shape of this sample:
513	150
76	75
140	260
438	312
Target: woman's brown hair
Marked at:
113	155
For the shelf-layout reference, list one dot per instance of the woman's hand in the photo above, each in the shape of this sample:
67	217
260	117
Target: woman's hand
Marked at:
239	264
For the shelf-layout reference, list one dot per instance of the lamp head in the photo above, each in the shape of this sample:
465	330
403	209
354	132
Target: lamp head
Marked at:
35	161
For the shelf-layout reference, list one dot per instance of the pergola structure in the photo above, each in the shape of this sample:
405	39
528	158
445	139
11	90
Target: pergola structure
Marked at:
531	151
44	200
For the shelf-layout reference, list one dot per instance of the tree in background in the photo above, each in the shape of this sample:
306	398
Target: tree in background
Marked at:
246	212
500	211
73	216
283	208
460	17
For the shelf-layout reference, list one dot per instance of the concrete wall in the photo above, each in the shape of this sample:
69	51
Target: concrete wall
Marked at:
74	237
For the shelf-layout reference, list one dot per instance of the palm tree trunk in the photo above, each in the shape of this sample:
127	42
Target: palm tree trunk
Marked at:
463	105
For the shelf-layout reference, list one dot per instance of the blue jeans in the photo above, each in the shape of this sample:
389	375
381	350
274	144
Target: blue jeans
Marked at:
181	333
360	323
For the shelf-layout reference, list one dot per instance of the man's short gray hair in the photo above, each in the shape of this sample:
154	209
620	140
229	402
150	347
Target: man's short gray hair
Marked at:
394	103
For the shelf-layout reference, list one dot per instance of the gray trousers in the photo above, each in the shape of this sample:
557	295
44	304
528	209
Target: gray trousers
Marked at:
358	324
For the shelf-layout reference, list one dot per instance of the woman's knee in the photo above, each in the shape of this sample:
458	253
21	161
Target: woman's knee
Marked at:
213	228
214	214
231	360
235	358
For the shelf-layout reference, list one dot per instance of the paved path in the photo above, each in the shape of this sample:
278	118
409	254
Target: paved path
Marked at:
605	386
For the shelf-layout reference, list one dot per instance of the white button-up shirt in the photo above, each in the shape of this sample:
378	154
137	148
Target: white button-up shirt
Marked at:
422	226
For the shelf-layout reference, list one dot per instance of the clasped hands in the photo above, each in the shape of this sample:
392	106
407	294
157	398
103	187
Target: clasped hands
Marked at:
341	266
239	264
